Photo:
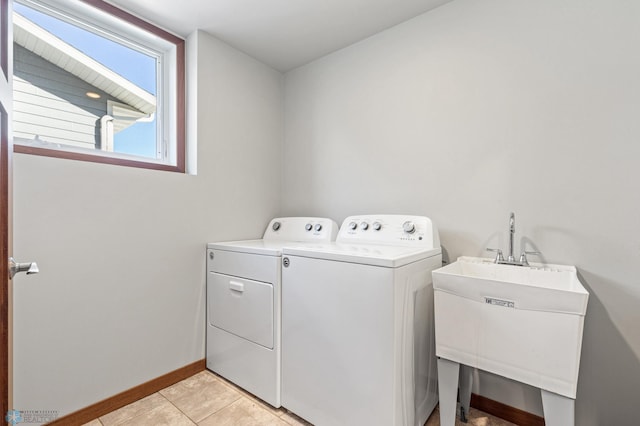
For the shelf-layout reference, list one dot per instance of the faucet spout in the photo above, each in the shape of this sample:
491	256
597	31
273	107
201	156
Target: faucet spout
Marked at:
511	260
512	232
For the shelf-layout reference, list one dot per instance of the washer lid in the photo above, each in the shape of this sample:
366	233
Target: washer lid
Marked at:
263	247
366	254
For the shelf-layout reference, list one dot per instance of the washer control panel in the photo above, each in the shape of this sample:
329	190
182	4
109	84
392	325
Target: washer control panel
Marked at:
316	229
403	230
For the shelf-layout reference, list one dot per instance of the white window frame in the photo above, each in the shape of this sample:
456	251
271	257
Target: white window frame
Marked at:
117	25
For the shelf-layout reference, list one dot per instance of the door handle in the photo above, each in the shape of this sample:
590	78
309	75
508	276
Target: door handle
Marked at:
28	267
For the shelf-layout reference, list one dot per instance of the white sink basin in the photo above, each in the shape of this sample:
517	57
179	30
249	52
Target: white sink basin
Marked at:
524	323
553	288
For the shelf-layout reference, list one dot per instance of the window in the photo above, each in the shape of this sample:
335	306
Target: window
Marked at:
94	83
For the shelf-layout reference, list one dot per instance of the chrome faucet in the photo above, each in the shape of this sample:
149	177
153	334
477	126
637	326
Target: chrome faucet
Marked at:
512	232
511	260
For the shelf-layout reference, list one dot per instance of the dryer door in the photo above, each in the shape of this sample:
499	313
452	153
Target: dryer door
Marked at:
242	307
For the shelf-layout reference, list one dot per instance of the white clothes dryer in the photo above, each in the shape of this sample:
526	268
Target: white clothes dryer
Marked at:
358	344
244	303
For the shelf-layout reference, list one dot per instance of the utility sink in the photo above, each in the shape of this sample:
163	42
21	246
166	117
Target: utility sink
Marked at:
550	288
520	322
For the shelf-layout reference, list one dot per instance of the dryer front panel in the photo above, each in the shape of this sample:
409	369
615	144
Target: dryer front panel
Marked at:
251	266
242	307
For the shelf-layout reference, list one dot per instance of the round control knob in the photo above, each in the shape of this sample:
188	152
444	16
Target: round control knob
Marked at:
364	226
318	227
275	226
377	226
308	227
353	226
409	227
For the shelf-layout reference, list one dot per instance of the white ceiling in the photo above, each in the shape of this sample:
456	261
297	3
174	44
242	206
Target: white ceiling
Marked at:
281	33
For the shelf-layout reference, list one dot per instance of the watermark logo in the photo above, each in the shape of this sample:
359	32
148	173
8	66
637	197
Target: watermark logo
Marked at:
14	417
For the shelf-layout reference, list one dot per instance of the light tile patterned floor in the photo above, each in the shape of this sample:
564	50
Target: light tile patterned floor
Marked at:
206	399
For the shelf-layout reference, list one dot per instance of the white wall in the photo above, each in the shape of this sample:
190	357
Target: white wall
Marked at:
120	296
479	108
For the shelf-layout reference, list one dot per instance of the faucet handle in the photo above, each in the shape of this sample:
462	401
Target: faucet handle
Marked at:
499	256
523	257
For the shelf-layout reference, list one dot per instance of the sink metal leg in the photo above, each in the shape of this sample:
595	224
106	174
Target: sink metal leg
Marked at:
466	380
448	372
558	410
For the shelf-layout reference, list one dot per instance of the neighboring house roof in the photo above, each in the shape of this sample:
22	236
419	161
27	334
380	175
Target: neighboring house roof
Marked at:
46	45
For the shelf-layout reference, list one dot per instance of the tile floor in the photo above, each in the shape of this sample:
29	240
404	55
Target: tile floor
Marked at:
207	399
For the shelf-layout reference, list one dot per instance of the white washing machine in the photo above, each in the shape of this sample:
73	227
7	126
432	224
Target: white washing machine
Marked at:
244	303
358	343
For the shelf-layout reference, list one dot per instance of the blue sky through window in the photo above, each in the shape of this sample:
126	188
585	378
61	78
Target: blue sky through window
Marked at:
140	69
